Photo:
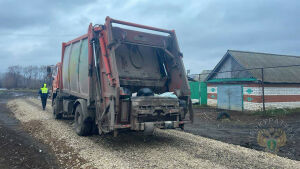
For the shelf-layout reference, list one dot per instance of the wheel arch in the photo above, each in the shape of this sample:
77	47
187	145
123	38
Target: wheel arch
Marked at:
86	112
80	102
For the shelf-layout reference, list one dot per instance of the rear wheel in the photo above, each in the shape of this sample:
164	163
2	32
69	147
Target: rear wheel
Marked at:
83	126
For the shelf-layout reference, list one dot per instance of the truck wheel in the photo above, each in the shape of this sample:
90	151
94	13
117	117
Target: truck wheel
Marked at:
82	125
56	114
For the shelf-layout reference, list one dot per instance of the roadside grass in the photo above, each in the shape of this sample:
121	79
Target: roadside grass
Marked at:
22	90
268	113
277	112
9	91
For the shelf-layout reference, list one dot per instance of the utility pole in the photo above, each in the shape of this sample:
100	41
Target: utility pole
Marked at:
263	89
199	89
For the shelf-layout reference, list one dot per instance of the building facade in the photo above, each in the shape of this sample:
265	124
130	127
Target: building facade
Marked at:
236	83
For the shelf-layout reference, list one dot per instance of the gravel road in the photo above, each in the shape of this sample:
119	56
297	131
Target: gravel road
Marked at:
165	149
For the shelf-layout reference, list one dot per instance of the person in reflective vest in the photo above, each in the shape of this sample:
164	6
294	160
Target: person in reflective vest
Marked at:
44	95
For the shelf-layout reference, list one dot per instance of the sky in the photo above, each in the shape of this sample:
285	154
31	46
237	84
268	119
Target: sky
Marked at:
32	31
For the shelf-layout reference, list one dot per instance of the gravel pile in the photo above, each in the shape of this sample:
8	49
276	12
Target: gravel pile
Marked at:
165	149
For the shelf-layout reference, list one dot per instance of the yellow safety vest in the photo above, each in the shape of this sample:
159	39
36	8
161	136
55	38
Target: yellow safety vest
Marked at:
44	89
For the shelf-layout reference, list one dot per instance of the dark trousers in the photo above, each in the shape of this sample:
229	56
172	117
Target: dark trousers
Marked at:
44	101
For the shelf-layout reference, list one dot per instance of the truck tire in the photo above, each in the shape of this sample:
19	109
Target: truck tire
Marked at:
223	115
56	113
83	126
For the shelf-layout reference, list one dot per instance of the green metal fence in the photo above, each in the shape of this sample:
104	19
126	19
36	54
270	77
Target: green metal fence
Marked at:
203	93
199	91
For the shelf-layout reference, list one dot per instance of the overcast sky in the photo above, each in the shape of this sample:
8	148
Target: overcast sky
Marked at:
32	31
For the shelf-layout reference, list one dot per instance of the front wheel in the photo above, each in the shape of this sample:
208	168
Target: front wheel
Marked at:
83	127
56	114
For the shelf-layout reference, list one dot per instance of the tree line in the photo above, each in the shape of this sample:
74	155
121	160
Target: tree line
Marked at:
29	77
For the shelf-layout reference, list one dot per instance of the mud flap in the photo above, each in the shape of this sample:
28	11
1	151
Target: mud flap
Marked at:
191	111
148	128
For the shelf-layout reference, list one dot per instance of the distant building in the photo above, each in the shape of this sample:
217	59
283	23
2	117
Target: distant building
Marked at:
202	75
243	90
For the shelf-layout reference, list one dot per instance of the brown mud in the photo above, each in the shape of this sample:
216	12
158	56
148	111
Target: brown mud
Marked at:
18	149
241	129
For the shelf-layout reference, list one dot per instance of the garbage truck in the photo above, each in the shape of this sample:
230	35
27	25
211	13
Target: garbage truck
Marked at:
116	77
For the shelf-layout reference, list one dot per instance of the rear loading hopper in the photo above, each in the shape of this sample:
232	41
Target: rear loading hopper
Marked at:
111	78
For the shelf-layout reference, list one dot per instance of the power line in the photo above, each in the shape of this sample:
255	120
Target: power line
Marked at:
241	70
38	35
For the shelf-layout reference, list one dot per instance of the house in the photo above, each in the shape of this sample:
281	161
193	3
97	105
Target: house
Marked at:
200	77
250	81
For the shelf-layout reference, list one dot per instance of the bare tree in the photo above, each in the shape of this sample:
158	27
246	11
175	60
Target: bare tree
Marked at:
24	77
1	80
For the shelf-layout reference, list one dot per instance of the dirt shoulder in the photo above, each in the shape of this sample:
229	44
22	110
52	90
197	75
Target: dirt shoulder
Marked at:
242	129
18	149
165	149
